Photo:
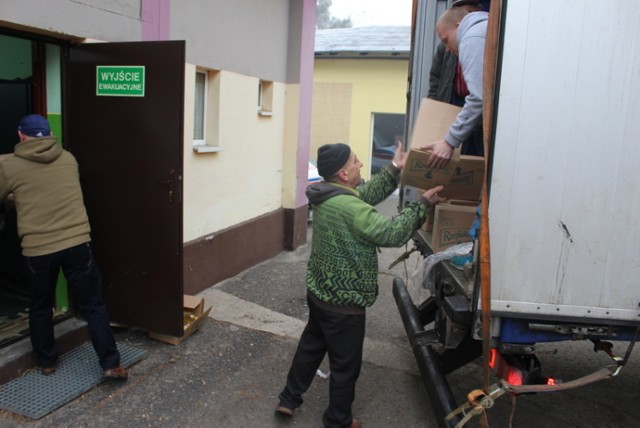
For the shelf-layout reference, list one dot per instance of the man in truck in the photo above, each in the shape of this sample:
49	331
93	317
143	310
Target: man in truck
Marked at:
342	273
446	82
462	33
42	180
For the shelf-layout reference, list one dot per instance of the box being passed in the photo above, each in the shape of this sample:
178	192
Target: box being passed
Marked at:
432	123
462	176
416	172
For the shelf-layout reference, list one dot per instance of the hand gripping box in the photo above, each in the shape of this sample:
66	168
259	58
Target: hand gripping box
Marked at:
462	176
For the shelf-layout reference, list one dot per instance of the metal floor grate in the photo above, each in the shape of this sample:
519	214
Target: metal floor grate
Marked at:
35	395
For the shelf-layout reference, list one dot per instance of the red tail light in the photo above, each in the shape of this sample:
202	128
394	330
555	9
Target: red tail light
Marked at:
504	370
514	377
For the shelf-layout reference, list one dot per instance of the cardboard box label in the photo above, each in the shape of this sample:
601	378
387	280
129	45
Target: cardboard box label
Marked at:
451	225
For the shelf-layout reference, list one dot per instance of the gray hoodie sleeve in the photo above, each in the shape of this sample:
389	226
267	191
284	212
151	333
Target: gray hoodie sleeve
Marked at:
471	57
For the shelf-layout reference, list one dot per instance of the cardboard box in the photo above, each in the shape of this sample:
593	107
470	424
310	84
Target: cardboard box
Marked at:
427	226
194	316
416	172
433	122
462	177
467	179
451	225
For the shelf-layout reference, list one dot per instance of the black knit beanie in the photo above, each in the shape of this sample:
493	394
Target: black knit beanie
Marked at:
332	157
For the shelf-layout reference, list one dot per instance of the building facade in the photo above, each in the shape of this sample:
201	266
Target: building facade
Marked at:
197	169
359	91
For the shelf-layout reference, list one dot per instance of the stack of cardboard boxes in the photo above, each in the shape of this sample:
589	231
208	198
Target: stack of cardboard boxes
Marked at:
462	177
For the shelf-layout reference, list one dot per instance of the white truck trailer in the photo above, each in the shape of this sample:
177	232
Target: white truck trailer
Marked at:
563	198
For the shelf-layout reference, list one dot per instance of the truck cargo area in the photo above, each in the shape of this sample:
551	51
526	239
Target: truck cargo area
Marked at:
561	203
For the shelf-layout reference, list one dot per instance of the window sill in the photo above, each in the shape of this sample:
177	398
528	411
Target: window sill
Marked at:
206	149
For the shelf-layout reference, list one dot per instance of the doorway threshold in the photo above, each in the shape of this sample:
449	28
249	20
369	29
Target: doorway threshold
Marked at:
16	358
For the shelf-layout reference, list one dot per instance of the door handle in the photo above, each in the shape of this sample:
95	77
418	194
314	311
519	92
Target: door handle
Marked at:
170	183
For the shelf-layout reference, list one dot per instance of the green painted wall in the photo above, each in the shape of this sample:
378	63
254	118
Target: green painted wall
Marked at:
55	120
54	85
54	90
19	50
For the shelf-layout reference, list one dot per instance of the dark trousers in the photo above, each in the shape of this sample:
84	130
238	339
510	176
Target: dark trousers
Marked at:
85	286
342	337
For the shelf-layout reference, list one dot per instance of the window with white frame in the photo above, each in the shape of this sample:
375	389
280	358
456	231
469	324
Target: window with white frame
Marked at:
200	109
206	111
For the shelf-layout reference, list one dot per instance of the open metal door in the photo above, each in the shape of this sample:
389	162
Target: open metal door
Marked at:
123	120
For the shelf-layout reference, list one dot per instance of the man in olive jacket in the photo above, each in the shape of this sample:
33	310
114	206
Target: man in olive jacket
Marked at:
42	180
342	273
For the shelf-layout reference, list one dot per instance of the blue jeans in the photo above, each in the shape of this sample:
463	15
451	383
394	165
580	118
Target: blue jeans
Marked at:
85	287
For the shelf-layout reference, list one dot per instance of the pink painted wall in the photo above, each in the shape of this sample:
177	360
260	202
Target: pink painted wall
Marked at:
307	49
155	19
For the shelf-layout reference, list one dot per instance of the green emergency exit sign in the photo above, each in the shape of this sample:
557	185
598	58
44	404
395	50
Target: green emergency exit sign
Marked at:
120	81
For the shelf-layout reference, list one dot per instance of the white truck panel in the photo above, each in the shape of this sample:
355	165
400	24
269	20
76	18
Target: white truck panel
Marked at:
565	189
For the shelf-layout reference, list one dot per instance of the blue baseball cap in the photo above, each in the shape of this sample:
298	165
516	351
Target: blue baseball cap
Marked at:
34	125
460	3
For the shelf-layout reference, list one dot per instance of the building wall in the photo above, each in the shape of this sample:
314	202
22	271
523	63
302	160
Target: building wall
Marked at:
245	202
244	36
244	179
302	19
346	94
95	19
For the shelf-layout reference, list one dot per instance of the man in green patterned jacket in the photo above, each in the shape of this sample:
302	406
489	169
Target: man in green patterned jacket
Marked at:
342	273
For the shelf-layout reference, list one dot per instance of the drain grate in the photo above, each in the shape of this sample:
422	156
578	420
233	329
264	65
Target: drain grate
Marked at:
35	396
